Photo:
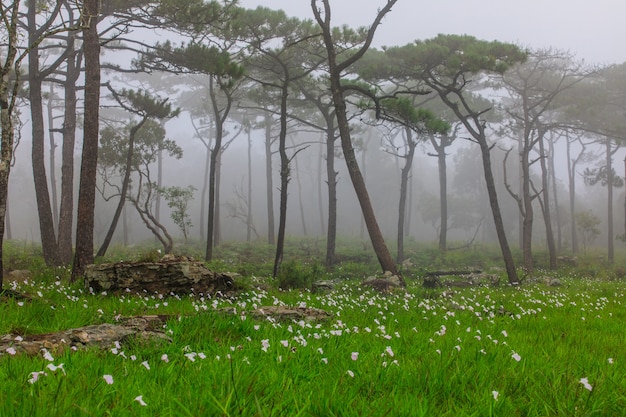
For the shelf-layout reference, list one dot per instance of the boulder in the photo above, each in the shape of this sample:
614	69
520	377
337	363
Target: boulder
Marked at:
170	275
102	336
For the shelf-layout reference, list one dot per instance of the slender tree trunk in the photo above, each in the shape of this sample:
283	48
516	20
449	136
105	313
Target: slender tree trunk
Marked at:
125	225
66	209
440	150
404	181
555	196
284	178
205	185
87	190
125	184
217	226
527	201
495	209
269	179
52	158
378	241
300	203
331	180
219	132
546	204
319	177
9	87
571	171
42	193
249	212
610	178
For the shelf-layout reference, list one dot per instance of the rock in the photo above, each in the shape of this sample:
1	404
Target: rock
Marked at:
19	275
170	275
388	282
102	336
567	260
553	282
431	282
285	313
324	285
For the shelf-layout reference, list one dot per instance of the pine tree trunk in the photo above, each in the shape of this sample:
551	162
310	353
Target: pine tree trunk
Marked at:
89	162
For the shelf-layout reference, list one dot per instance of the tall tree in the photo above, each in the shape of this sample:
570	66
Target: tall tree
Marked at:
535	88
145	106
322	12
447	65
284	51
9	87
89	160
36	76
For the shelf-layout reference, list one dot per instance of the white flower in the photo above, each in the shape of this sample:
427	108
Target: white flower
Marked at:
265	343
355	356
586	383
516	356
11	350
54	367
495	395
140	400
611	361
47	356
350	373
108	379
389	351
34	376
146	364
165	358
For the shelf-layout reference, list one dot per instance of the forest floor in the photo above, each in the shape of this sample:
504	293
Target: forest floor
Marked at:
532	350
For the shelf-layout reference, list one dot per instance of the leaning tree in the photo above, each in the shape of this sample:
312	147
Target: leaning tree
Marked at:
450	65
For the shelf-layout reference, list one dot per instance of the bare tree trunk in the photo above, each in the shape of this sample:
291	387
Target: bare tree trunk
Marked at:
217	226
404	181
52	158
571	174
124	190
320	199
331	180
284	178
300	203
87	190
66	209
42	193
249	211
546	204
557	211
269	179
8	92
335	70
610	178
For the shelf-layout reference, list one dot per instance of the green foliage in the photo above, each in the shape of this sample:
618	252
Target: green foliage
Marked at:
601	176
177	199
587	224
297	275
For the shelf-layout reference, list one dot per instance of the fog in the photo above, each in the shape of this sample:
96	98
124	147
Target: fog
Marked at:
557	24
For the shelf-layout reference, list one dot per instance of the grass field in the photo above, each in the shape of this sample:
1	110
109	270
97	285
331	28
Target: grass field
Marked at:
532	350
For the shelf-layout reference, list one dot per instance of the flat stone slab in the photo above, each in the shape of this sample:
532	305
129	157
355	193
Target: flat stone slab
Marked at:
170	275
103	336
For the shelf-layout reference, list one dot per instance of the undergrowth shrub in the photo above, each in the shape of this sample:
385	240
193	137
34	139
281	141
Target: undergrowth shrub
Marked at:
296	275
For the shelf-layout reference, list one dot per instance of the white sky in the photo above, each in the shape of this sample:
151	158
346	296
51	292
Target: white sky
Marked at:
592	30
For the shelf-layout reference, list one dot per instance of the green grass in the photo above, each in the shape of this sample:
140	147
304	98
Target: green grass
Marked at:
419	353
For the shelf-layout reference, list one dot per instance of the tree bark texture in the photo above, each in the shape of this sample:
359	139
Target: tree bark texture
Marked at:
89	161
